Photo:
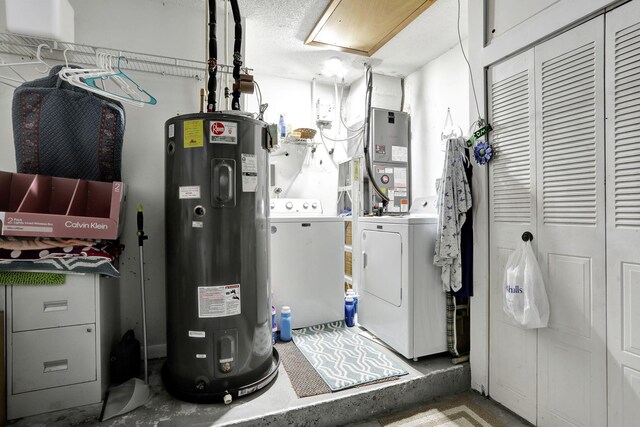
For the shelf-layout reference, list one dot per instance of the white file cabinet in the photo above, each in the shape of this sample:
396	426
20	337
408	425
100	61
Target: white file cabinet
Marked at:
58	343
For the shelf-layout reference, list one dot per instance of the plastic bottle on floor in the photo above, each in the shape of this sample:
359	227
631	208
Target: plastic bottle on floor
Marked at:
274	326
351	293
349	311
285	324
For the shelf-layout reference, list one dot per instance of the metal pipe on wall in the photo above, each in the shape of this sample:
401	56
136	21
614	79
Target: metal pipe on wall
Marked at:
213	57
237	55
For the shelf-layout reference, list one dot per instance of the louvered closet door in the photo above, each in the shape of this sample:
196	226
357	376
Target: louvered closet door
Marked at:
623	213
570	148
512	370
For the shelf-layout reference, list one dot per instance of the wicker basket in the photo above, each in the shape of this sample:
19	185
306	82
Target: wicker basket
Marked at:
304	133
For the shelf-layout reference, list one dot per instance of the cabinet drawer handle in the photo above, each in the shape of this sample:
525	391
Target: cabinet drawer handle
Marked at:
56	365
50	306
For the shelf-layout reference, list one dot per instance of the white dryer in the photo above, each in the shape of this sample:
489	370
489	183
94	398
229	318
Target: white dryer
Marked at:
401	298
306	262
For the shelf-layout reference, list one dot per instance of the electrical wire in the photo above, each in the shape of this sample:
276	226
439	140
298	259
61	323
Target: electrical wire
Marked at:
258	93
367	134
348	138
475	96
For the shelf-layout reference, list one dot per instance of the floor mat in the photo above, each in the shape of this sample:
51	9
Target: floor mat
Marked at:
304	379
455	411
342	357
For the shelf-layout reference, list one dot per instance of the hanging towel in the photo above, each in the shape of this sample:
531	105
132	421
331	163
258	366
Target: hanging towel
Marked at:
454	200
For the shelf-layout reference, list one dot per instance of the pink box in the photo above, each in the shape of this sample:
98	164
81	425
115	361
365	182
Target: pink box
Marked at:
45	206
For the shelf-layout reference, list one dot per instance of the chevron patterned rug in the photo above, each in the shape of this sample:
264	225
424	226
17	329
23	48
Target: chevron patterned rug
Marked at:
342	357
463	410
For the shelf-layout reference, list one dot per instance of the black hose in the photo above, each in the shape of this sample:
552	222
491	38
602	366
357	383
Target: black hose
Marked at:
237	55
367	131
213	58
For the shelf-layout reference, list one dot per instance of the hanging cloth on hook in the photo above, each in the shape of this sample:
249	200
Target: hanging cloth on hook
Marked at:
61	130
454	200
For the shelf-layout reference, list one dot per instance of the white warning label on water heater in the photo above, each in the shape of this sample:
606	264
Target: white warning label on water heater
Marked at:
249	173
189	192
223	132
218	301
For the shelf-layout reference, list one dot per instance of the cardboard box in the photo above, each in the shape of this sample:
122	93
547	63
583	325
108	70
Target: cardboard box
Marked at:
348	225
348	270
44	206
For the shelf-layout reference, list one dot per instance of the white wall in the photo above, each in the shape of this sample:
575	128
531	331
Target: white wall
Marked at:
301	173
440	84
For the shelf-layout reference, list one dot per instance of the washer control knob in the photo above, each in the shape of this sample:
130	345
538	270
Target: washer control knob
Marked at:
305	205
289	205
314	205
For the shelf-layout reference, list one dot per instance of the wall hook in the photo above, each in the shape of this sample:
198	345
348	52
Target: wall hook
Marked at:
527	236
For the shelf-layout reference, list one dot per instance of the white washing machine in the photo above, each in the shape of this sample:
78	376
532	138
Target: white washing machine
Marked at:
401	298
306	262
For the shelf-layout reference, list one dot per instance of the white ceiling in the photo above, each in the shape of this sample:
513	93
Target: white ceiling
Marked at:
276	30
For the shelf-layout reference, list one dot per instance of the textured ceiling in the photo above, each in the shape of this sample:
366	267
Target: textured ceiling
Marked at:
276	30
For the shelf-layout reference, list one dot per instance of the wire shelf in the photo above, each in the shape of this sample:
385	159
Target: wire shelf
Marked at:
27	46
299	141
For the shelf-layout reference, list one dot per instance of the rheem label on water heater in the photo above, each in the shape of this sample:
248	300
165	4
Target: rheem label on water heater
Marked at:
223	132
218	301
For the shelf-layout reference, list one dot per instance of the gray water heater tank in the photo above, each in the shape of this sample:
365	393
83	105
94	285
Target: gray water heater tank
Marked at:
217	242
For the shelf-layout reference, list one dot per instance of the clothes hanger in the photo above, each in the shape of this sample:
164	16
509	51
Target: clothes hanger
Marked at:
123	81
450	130
87	78
39	60
11	66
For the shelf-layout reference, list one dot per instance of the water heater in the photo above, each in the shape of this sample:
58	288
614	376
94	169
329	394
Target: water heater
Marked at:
217	240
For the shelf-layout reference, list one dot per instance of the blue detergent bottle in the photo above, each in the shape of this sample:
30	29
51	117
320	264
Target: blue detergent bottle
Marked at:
285	323
349	311
351	293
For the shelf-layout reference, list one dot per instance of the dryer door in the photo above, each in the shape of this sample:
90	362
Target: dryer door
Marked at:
382	265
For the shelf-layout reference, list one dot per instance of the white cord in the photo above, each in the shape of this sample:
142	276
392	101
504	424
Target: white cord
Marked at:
475	96
341	139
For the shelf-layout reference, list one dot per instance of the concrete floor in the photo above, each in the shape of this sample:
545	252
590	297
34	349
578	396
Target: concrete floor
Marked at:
277	405
430	380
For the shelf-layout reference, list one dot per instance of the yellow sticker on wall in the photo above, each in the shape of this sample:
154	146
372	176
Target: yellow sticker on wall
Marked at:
193	134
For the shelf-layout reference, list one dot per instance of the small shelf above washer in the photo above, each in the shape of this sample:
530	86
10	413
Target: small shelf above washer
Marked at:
299	141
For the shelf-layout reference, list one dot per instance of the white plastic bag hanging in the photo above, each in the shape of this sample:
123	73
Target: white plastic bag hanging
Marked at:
525	298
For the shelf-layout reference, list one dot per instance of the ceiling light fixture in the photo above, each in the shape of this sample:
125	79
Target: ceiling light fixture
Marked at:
333	67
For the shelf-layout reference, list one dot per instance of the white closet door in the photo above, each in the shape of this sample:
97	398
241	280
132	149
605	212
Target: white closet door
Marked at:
570	148
623	213
512	370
